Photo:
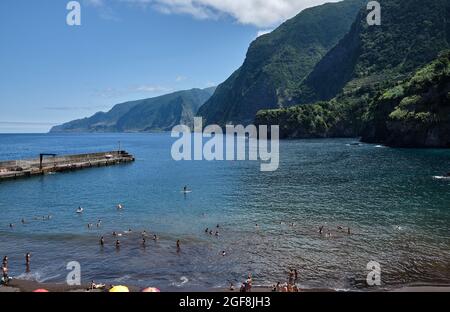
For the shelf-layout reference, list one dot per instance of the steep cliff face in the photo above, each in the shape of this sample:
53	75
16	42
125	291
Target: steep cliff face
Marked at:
411	34
369	84
417	110
277	62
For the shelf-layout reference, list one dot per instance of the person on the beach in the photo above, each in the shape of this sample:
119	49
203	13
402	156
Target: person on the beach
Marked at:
5	277
278	287
295	276
231	286
5	262
249	283
291	277
102	241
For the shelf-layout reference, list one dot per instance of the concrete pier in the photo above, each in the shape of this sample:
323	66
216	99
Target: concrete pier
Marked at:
51	163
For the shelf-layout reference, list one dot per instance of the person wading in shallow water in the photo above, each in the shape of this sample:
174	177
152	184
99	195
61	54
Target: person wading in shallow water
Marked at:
102	241
5	277
178	246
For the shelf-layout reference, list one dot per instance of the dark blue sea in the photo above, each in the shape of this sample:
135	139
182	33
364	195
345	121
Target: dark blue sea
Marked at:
398	213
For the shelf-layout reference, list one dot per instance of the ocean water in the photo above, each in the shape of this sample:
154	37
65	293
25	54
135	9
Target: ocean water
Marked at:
398	213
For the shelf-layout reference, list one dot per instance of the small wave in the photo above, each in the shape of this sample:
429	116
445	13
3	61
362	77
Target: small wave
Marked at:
441	178
123	278
184	280
37	276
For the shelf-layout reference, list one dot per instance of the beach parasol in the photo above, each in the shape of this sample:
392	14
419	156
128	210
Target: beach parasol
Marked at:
122	289
151	290
40	290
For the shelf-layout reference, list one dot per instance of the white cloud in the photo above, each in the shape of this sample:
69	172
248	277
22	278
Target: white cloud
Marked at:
263	32
261	13
151	89
96	3
180	78
111	93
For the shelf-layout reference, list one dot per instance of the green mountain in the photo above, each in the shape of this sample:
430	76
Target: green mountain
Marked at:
277	62
345	90
411	35
415	112
155	114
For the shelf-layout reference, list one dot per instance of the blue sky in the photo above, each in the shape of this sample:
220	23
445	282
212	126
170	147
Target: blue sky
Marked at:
124	50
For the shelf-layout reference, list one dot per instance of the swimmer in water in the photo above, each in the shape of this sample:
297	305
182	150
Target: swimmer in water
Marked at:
102	241
217	234
207	230
218	226
99	223
143	241
23	221
349	232
114	233
178	245
185	189
321	230
210	232
11	225
144	233
5	262
119	206
117	244
27	262
224	253
155	238
90	226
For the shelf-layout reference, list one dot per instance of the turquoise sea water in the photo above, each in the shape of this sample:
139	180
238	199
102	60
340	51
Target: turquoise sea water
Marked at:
399	215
